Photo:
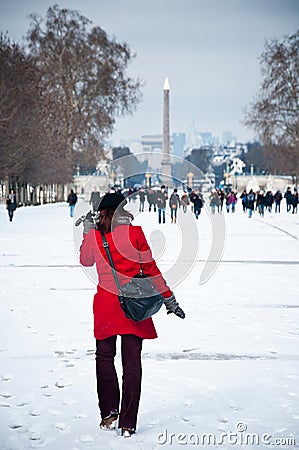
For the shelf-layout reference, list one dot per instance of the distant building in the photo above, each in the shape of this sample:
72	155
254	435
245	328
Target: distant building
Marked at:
207	137
228	138
179	142
153	143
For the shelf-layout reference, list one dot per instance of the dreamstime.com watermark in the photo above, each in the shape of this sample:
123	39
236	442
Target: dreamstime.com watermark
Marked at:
238	437
187	244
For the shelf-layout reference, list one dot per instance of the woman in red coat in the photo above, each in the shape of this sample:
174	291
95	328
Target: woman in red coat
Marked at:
129	249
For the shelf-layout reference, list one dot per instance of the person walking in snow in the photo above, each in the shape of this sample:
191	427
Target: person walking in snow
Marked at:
95	199
277	200
11	204
141	199
174	203
72	200
161	203
269	199
261	202
295	201
152	199
231	201
129	248
250	199
196	199
289	197
185	201
214	201
243	196
221	196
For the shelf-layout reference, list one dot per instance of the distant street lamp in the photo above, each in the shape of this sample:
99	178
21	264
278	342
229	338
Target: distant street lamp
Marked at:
112	177
148	179
190	177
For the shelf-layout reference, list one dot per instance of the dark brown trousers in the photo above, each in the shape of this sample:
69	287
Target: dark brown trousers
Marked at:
107	382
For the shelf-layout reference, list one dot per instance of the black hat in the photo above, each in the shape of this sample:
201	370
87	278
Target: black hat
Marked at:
111	201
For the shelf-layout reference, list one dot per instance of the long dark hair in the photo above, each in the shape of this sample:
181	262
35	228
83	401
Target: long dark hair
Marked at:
111	217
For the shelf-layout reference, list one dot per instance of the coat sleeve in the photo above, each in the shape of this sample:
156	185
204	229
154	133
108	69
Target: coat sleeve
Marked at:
149	266
86	249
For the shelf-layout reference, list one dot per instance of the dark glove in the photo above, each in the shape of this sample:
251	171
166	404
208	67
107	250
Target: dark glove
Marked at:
88	223
172	306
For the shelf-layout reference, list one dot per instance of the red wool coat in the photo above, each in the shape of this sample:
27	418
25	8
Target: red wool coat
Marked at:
129	248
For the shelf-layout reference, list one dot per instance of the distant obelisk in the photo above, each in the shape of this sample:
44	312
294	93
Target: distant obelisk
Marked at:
165	162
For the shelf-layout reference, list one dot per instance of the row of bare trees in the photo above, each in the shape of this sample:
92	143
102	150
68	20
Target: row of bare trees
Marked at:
60	93
274	114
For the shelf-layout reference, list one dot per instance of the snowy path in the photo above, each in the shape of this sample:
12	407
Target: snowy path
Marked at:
235	359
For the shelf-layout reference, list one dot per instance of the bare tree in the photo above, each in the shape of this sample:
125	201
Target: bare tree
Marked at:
86	71
274	115
30	140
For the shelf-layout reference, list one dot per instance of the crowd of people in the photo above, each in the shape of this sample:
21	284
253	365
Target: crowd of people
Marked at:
158	199
262	201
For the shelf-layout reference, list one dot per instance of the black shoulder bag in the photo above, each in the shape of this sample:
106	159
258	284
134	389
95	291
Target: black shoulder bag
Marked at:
139	298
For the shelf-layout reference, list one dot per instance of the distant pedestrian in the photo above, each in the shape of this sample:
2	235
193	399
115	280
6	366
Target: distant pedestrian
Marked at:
230	201
174	203
95	198
214	201
295	201
11	204
141	199
250	199
277	200
196	199
269	199
185	201
233	200
72	200
221	196
289	197
261	202
161	203
152	199
243	196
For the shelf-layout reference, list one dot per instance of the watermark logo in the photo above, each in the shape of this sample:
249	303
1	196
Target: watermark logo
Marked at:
239	437
187	241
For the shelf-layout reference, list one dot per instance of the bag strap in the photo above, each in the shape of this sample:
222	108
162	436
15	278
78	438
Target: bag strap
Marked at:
106	247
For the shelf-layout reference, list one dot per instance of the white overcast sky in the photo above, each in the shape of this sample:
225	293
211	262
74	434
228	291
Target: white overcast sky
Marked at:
208	49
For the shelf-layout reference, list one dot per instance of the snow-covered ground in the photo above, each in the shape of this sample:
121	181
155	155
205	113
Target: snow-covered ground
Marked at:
232	366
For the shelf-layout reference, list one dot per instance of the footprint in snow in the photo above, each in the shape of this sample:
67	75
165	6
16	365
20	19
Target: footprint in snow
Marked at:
271	350
5	395
61	426
21	404
223	420
153	424
34	436
47	394
86	439
69	402
55	412
6	377
62	384
188	404
15	426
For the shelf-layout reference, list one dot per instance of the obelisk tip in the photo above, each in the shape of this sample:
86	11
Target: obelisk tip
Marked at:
166	84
